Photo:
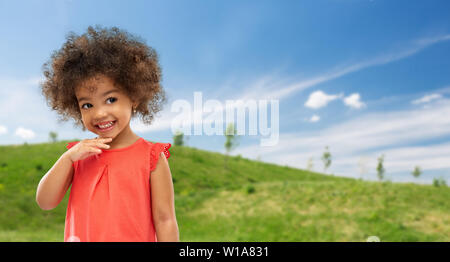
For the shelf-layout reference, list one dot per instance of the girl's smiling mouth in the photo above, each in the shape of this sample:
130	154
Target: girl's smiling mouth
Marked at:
106	126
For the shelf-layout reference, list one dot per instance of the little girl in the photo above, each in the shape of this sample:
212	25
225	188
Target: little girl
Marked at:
121	185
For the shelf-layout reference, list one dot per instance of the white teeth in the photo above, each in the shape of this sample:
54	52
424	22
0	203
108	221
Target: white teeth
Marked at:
107	125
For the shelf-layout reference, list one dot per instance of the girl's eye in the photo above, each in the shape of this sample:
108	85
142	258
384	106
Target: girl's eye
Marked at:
113	99
84	105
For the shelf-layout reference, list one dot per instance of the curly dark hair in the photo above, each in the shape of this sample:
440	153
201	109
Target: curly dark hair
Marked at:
115	53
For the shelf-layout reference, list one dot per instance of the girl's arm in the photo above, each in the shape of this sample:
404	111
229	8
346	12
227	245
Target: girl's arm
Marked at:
53	186
163	207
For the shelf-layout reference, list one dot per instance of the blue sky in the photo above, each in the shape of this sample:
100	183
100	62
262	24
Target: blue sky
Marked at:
363	77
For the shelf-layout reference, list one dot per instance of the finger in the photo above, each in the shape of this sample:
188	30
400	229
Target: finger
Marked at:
101	145
97	146
102	137
95	150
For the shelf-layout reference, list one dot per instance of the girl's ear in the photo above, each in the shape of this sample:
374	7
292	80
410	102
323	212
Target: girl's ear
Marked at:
135	105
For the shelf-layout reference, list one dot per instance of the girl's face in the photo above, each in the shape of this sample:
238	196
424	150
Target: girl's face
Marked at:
105	108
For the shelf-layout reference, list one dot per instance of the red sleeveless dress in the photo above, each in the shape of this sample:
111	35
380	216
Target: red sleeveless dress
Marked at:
110	198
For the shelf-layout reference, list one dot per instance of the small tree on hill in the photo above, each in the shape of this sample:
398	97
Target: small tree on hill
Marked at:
438	182
326	158
416	172
53	136
231	141
178	138
380	167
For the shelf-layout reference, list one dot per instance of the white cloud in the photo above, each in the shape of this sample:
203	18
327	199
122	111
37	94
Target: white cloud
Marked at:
3	130
25	133
393	133
314	118
426	99
354	101
319	99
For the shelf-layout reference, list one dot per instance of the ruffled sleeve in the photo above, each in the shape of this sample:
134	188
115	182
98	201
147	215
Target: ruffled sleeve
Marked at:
155	152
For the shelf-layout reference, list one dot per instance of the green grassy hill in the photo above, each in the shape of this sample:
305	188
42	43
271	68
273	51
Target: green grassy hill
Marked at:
251	201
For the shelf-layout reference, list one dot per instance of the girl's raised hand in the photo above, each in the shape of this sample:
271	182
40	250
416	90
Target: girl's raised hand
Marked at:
87	147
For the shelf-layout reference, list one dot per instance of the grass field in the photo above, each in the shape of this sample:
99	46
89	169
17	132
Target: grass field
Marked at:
249	201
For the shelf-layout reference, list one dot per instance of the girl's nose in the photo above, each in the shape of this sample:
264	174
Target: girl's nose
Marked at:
100	113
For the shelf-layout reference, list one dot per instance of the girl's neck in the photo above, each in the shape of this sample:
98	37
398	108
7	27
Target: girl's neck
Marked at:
125	138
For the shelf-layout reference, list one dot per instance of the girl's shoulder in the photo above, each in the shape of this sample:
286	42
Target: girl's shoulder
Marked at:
71	144
156	148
